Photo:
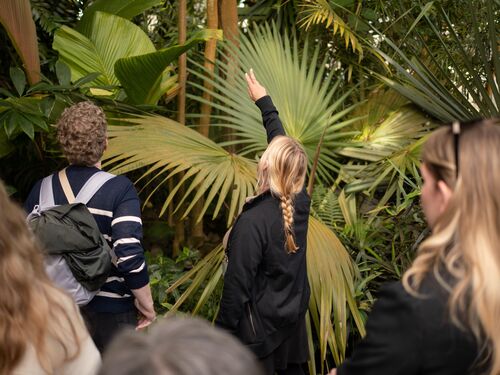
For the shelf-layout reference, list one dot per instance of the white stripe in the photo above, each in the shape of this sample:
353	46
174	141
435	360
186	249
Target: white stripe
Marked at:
139	269
112	295
115	278
106	237
123	259
96	211
126	218
126	240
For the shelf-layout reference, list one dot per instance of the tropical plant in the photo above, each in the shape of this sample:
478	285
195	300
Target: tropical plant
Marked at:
385	155
167	149
15	17
121	51
463	84
33	109
325	12
311	106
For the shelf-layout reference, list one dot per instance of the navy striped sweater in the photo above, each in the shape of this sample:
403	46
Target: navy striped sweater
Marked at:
116	209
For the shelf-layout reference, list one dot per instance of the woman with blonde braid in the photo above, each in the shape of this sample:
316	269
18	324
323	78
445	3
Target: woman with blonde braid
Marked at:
444	318
266	291
41	330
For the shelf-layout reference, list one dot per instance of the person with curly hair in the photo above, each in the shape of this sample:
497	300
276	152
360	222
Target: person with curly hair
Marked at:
41	329
125	298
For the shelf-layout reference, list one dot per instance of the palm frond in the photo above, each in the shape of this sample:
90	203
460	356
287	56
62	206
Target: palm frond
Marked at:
465	84
386	154
167	148
315	12
306	98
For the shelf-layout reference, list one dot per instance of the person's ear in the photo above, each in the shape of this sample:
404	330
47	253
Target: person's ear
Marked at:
445	193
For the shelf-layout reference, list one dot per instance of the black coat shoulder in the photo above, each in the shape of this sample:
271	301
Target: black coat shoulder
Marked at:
408	334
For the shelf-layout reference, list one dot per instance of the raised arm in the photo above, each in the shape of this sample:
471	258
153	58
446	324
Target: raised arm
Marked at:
270	118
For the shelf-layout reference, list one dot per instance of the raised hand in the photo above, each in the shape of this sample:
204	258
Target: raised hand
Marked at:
255	89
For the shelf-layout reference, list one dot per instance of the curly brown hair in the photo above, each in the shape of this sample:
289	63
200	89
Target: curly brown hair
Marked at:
81	132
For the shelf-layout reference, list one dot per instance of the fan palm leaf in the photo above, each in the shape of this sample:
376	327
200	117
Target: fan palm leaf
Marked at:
386	154
167	148
308	101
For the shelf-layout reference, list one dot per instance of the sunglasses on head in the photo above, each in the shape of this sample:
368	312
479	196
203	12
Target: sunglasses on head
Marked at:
455	129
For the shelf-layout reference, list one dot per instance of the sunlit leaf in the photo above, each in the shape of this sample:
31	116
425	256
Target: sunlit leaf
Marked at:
167	148
16	18
123	8
151	68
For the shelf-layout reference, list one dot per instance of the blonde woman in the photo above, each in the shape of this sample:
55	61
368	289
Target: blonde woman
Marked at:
444	318
41	330
266	291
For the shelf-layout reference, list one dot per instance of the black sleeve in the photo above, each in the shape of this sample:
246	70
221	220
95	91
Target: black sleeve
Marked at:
244	256
270	118
391	344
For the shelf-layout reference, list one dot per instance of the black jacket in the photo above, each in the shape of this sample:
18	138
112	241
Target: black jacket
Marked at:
266	290
406	335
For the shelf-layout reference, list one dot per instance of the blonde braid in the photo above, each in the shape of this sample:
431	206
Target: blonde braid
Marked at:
287	209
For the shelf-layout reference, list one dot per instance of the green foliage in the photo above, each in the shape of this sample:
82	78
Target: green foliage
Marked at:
34	109
121	51
167	148
309	104
464	83
325	12
164	272
385	155
122	8
151	68
15	17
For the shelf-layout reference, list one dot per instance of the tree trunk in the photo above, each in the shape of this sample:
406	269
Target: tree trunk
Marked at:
228	22
180	237
210	50
197	233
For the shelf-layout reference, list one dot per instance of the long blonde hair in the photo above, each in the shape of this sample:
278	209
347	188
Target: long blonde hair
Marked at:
31	308
466	237
282	170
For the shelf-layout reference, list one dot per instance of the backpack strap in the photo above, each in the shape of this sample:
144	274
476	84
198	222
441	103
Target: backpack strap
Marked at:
92	185
46	198
68	192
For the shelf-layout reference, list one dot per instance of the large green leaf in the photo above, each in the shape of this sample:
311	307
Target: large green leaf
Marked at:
5	146
16	18
307	99
109	39
123	8
168	148
330	272
151	67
